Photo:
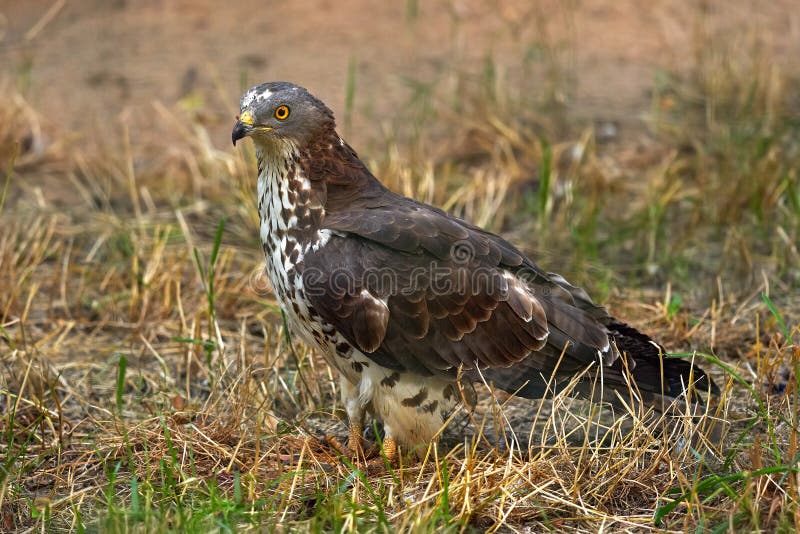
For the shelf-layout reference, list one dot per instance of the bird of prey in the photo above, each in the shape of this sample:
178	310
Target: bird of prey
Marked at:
411	304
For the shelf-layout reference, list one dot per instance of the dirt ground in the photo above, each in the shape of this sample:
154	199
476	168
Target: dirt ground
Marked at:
87	61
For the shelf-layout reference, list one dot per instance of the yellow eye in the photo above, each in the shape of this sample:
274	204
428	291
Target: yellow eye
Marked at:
282	113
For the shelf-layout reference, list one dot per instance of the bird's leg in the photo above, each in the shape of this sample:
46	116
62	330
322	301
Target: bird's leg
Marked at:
390	449
354	444
356	412
355	415
389	445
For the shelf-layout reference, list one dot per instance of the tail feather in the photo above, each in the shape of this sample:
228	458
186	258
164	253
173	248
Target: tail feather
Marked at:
656	378
651	364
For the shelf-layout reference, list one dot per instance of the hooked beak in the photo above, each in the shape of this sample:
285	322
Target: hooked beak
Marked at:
243	127
240	131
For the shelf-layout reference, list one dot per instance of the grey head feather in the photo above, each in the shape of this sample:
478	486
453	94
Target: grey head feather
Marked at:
308	116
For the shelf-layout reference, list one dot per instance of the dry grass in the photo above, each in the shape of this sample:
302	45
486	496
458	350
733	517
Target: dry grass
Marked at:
147	382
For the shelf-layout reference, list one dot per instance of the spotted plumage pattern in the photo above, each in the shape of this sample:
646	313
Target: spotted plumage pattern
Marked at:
412	305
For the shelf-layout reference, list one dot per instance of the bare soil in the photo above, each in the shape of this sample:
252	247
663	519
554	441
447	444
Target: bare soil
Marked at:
88	61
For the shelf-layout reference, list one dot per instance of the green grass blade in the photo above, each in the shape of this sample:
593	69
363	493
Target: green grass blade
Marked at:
778	317
350	94
121	370
545	174
9	174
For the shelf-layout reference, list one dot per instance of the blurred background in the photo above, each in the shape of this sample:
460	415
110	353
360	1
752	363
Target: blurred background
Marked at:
507	112
396	74
81	62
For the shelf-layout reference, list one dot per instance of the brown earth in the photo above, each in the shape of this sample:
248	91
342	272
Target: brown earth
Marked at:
86	62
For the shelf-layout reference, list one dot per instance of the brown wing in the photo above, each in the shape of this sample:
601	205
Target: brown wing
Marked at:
418	312
443	294
428	292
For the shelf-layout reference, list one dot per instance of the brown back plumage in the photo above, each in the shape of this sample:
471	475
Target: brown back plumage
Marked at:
512	322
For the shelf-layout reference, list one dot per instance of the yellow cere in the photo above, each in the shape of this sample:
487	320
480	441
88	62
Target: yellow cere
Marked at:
246	118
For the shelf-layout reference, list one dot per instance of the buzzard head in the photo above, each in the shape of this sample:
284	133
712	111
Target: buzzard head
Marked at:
275	112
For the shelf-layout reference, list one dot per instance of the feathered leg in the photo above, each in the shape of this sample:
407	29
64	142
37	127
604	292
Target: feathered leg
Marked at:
356	412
